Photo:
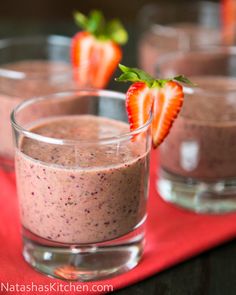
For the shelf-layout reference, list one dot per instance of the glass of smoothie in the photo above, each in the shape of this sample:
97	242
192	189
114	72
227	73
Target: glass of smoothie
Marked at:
198	158
30	66
82	180
168	27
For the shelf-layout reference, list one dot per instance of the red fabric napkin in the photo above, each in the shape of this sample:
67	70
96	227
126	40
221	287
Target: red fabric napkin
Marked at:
173	235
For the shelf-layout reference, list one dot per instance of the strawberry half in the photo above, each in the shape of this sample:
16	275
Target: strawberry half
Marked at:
164	97
138	104
95	51
167	103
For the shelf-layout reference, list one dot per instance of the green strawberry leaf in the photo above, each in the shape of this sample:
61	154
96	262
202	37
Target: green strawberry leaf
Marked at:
116	31
81	20
123	68
185	80
134	75
125	77
96	24
137	75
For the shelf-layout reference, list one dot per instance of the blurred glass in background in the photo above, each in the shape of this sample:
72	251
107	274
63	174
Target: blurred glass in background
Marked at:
198	157
176	26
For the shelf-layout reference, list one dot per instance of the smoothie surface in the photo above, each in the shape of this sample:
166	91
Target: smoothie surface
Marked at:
87	130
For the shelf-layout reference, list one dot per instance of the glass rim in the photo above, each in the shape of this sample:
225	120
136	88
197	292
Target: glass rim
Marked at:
174	32
34	40
84	92
213	49
152	5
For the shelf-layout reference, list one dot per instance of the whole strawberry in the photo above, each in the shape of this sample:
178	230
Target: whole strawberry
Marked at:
96	50
162	97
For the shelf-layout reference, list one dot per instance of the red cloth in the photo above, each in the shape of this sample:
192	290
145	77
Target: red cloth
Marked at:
173	235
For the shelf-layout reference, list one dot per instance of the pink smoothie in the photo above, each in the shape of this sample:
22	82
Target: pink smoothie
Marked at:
86	193
41	78
202	142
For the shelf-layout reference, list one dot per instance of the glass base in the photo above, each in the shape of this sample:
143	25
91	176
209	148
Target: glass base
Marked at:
6	164
198	196
84	262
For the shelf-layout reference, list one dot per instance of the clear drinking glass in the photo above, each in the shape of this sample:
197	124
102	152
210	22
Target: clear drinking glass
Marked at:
198	158
82	180
30	66
182	26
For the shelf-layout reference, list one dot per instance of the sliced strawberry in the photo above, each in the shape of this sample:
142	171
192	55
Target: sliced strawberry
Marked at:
138	104
163	97
166	106
95	52
105	58
81	52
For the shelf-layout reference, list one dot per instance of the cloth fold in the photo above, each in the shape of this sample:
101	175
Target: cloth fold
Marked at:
173	235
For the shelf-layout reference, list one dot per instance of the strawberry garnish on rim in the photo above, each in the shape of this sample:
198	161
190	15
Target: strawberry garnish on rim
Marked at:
96	50
162	97
138	98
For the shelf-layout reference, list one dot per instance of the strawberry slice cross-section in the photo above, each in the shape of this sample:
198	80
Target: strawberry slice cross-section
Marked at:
162	97
138	104
96	51
167	103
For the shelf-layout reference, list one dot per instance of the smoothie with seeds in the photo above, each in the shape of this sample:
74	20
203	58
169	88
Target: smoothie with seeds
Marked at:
86	193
